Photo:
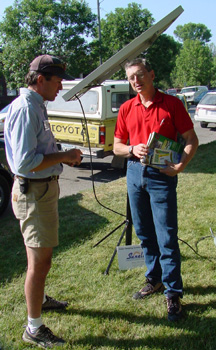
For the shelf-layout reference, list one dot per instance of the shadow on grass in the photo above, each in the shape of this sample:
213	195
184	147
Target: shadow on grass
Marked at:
204	160
177	342
193	331
76	225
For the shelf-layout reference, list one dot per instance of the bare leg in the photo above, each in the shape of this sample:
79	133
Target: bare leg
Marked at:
39	263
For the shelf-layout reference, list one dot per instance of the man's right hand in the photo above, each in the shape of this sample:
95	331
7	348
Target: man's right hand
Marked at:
72	157
140	150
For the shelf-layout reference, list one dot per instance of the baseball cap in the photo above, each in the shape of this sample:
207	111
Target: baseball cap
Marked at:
50	64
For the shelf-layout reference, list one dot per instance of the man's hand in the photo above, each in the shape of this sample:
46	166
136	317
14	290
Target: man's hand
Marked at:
171	169
72	157
140	150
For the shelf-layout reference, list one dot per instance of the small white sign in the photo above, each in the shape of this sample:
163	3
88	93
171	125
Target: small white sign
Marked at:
130	256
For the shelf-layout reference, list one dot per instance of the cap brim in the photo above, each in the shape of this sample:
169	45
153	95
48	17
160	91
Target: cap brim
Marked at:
64	76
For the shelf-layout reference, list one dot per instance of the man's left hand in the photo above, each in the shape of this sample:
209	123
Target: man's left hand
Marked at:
171	169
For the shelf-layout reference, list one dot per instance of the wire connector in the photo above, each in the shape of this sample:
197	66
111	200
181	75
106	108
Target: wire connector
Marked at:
214	237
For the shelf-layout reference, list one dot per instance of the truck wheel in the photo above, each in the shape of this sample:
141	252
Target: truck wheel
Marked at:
4	194
203	124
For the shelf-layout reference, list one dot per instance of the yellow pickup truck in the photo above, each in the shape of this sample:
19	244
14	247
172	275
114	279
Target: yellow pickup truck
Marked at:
88	122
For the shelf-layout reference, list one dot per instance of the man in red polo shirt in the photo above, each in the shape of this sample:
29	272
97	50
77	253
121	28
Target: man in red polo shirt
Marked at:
152	192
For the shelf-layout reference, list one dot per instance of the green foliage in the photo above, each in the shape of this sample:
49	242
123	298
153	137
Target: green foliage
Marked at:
213	77
65	28
124	25
193	31
162	55
101	314
119	29
34	27
193	65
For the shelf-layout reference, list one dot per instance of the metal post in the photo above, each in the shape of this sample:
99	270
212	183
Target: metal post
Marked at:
128	235
99	29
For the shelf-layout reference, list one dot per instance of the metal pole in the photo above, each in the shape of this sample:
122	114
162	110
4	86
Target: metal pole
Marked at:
115	251
128	235
99	30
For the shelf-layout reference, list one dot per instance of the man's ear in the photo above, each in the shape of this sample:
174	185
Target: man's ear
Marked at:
40	79
152	74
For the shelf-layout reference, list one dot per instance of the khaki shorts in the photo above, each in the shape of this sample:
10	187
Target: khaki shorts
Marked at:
38	213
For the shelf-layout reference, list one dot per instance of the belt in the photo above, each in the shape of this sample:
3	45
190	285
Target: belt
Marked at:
45	179
134	159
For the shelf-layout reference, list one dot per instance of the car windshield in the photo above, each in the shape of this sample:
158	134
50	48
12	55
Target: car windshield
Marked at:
184	90
209	99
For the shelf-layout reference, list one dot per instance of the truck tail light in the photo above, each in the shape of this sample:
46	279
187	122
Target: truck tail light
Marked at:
102	135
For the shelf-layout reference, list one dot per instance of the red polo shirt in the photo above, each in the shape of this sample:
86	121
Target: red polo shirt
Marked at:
166	116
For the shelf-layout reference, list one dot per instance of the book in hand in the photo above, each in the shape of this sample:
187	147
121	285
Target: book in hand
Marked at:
162	148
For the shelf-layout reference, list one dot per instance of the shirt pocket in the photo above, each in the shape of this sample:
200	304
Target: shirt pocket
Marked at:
166	127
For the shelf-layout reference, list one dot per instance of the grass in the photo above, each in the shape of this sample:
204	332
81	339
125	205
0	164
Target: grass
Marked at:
101	314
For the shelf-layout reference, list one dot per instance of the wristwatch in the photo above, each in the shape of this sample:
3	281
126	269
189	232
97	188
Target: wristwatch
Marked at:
131	150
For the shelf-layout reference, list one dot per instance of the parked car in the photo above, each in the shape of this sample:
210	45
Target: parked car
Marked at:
173	91
206	110
190	91
6	179
198	96
3	114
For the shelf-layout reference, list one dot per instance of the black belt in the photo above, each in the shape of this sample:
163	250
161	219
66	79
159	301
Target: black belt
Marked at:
45	179
134	159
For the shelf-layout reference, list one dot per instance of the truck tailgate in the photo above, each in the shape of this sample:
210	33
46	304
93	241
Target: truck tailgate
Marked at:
74	130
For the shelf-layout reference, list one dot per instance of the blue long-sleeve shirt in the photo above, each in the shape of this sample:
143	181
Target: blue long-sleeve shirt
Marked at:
28	136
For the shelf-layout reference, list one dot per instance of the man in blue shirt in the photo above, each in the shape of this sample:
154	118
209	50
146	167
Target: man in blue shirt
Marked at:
34	158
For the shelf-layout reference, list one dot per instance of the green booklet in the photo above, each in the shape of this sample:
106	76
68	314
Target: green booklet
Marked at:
162	148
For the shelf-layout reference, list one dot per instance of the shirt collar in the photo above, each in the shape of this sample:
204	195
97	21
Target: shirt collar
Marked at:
32	94
157	98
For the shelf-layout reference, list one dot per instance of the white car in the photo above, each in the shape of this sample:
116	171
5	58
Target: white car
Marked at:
3	114
206	110
190	92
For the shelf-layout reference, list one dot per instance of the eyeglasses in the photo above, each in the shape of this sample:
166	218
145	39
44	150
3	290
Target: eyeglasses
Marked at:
138	75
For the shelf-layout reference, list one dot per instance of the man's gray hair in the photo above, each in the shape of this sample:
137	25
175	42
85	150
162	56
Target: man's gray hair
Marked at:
138	61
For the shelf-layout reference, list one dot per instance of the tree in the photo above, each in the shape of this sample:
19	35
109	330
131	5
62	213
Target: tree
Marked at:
34	27
193	31
122	26
162	56
194	65
213	73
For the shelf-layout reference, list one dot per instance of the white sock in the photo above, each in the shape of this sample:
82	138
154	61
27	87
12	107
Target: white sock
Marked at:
44	298
34	324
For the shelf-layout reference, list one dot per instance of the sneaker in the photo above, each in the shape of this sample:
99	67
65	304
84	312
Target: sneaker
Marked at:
43	338
174	308
149	289
52	304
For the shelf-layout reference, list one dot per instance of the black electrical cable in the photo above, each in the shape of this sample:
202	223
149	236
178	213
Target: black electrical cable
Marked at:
91	162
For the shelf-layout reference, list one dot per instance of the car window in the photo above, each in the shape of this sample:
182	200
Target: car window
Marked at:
117	99
209	99
184	90
89	102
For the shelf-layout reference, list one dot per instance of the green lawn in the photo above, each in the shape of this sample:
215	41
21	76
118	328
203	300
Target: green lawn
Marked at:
102	314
